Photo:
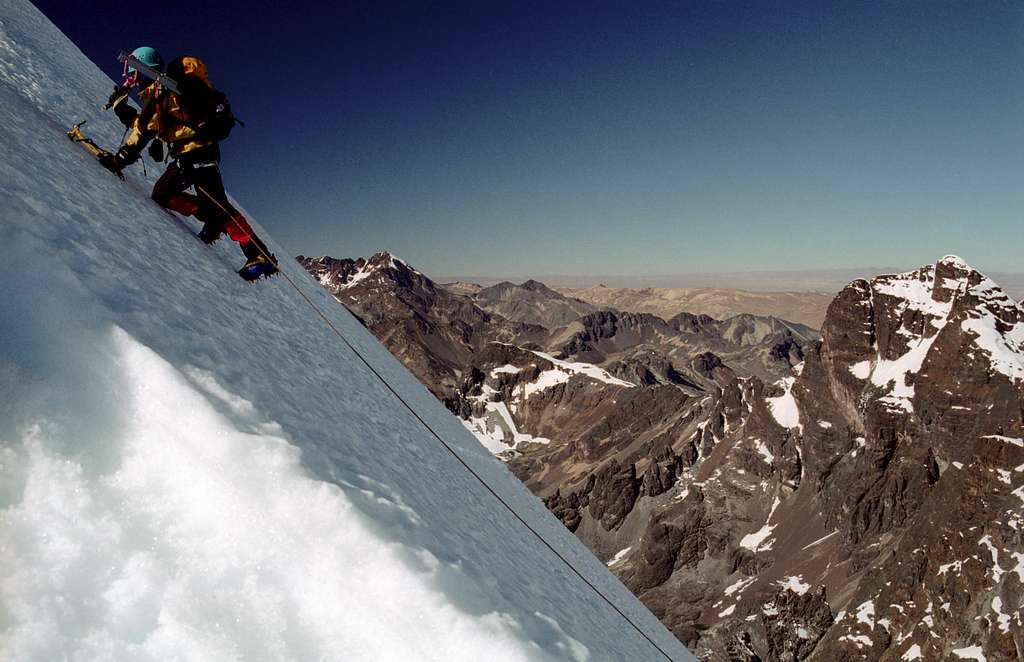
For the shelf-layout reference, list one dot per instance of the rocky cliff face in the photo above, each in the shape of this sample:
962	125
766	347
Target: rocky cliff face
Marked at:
758	346
434	332
868	507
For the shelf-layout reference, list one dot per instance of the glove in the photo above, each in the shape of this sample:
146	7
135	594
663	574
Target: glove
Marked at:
112	162
115	163
156	151
119	94
126	113
118	100
128	155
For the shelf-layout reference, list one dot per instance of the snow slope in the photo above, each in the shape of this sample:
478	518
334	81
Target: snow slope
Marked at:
195	468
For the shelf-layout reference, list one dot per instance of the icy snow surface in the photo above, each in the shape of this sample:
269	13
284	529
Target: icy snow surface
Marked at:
1016	441
970	653
506	369
740	585
1005	347
755	541
913	653
196	468
563	372
497	430
794	584
621	554
784	408
594	372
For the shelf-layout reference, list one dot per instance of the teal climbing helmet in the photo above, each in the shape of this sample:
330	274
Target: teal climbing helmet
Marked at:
147	56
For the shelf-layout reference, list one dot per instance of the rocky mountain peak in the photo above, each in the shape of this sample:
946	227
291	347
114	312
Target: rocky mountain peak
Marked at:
383	267
532	302
537	286
887	330
890	456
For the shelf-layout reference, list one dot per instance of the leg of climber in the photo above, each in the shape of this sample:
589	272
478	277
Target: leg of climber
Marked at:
169	191
225	217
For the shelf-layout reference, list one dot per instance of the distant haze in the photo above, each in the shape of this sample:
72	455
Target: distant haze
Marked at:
824	280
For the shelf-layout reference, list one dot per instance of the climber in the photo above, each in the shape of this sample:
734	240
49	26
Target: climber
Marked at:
182	108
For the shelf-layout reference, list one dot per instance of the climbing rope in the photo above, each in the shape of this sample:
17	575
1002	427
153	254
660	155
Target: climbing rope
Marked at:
444	443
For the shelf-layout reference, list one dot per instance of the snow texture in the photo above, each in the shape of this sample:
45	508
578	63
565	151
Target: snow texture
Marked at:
914	292
740	585
985	323
506	369
594	372
866	614
1016	441
1005	347
620	555
192	467
756	541
784	407
497	430
819	540
795	584
970	653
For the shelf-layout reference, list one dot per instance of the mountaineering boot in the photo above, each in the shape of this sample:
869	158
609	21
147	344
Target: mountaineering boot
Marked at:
259	267
260	261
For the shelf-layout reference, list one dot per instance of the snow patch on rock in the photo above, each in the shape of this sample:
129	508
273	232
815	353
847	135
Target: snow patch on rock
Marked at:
784	408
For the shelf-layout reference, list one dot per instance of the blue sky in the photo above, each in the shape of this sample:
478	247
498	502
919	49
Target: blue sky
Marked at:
598	138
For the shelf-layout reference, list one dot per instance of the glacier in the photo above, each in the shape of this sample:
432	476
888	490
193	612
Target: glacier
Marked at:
196	468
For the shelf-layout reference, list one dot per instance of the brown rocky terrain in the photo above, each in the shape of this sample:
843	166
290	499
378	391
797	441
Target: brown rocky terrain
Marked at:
432	330
806	308
532	302
867	505
441	336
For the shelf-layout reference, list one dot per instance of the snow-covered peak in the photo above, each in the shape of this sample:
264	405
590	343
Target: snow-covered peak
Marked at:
996	323
909	311
385	260
955	261
340	274
380	264
930	290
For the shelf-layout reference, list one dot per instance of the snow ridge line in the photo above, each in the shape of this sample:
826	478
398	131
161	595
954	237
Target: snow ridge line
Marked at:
451	450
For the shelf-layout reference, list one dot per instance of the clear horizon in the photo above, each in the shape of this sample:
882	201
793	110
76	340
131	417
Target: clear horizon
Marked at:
826	281
585	138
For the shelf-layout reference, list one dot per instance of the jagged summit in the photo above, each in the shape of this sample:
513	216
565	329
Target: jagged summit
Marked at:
348	272
955	261
886	330
911	400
